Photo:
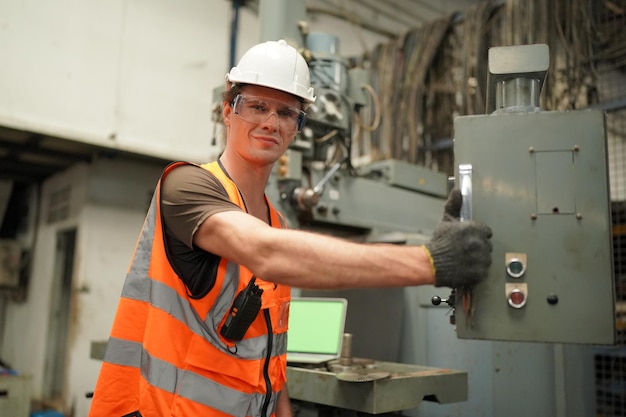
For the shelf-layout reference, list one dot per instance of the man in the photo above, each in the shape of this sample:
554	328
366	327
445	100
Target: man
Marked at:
201	325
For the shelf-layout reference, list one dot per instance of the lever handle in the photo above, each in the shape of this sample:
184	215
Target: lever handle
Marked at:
465	185
436	300
451	300
307	198
320	185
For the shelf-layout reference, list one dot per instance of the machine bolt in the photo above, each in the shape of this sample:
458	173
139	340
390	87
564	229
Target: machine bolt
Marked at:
552	299
346	350
579	216
533	216
531	149
576	148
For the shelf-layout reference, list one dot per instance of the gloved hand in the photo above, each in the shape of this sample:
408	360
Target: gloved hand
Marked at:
460	251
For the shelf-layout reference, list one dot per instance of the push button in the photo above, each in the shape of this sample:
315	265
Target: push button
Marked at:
517	299
516	295
515	264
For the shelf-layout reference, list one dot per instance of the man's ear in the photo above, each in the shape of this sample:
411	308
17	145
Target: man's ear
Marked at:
227	111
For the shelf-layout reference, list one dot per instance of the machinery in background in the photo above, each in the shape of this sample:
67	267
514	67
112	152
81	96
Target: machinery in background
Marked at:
315	183
546	198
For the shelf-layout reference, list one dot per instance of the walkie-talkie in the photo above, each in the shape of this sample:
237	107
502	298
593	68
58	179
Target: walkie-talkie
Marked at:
242	313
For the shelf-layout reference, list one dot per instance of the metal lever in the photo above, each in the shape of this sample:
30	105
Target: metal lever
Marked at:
320	185
307	198
465	185
451	301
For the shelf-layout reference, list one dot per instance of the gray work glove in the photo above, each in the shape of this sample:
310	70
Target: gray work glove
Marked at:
460	251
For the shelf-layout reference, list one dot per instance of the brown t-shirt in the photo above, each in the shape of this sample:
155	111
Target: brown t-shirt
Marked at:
190	195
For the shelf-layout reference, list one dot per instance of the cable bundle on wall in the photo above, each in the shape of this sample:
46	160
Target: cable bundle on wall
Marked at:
437	71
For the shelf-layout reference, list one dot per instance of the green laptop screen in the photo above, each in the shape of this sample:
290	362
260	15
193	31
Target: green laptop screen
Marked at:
315	326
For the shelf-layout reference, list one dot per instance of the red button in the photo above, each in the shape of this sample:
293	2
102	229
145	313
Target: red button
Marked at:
517	298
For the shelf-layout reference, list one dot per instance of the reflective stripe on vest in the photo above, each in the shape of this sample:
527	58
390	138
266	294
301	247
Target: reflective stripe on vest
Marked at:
196	388
141	288
154	297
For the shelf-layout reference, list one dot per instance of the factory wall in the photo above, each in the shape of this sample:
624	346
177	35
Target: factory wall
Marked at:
129	75
105	203
24	339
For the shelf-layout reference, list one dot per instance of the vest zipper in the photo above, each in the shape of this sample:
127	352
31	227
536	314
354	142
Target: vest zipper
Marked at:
266	365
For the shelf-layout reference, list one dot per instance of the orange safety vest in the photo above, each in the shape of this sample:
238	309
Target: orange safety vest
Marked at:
166	356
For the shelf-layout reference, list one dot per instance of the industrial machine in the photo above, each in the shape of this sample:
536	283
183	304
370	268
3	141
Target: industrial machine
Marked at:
546	198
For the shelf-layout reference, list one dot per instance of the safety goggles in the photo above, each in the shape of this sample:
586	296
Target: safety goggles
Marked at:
258	109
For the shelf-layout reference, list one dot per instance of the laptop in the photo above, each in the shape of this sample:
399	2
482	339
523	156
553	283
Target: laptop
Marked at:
316	326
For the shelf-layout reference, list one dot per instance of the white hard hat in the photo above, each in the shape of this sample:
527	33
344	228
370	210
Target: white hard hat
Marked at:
275	65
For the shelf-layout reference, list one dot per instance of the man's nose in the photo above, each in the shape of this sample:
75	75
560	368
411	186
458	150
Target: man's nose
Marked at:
272	121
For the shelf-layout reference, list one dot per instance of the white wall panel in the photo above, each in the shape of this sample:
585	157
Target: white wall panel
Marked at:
60	66
127	74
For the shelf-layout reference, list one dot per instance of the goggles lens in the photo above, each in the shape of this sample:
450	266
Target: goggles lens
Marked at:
258	109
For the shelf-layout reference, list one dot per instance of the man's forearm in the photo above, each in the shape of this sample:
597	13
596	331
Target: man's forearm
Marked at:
310	260
283	407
